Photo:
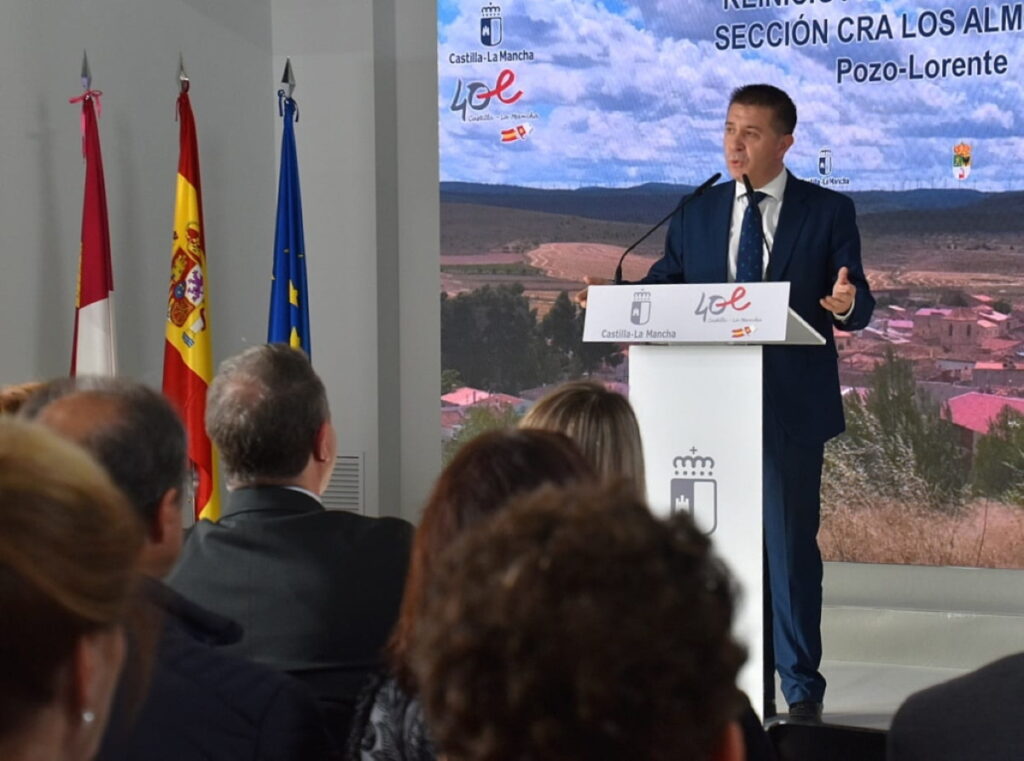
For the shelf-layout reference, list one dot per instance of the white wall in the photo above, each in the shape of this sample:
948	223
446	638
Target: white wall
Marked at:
133	51
372	241
367	142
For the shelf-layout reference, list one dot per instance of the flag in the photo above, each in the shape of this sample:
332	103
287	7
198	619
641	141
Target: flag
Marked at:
93	351
289	303
188	355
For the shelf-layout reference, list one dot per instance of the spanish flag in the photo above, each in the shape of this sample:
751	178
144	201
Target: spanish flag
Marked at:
188	355
93	350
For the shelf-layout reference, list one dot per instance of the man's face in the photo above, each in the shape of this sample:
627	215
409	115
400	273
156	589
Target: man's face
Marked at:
752	144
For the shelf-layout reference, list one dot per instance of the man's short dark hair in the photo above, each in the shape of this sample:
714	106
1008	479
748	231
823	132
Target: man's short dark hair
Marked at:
142	447
263	411
573	625
768	96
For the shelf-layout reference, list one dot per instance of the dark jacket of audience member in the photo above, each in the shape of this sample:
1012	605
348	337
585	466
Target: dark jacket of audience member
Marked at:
975	716
574	625
205	704
483	475
315	591
201	703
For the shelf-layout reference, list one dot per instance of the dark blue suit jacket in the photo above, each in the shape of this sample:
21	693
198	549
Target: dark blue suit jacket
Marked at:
816	235
203	704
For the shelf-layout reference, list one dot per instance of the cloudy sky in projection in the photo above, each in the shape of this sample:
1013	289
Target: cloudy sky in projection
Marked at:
622	92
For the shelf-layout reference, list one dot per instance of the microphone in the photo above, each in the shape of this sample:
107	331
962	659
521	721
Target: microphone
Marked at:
685	200
760	217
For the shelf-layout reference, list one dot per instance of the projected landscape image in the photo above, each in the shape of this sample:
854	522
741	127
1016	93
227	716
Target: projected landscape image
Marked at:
568	129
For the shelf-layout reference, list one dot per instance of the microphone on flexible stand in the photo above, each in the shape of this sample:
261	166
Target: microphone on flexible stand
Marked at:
760	217
685	200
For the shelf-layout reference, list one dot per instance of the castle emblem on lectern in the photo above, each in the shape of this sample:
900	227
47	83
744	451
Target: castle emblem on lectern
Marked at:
695	490
640	310
490	25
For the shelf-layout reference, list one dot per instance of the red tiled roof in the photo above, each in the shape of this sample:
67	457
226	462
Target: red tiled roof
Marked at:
463	396
976	411
996	366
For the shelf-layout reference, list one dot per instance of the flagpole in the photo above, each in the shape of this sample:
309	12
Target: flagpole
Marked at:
188	351
94	342
289	293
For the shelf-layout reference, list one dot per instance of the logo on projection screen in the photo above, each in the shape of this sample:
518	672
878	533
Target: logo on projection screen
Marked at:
490	25
695	490
962	161
825	162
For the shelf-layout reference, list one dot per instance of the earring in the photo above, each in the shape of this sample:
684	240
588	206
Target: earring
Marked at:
88	716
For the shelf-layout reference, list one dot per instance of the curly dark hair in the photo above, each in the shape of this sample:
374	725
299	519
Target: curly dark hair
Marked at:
575	626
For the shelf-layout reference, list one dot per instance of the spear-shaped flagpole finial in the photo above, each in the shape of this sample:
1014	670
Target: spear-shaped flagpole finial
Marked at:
86	74
182	76
288	78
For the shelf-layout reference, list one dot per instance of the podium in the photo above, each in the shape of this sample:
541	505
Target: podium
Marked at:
695	383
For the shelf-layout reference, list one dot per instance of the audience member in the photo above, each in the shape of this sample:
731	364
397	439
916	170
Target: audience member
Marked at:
13	397
202	703
68	549
482	476
316	591
600	422
575	626
975	716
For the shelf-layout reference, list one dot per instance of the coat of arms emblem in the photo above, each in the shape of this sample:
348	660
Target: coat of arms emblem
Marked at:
962	161
490	25
185	304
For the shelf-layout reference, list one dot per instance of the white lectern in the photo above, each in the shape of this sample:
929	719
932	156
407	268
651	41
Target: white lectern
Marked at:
696	387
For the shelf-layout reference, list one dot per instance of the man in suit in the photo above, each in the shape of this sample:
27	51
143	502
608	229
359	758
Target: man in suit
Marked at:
808	236
316	591
200	702
975	716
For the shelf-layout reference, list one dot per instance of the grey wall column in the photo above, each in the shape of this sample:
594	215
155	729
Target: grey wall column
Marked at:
408	246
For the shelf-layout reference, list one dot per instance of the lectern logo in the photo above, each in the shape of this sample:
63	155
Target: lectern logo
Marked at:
695	490
640	310
490	25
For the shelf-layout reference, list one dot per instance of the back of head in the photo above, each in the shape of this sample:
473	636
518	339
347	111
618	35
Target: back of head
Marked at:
263	411
574	626
768	96
484	475
600	422
68	546
132	430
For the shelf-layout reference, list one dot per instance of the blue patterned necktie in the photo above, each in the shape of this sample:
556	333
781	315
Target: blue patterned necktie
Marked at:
749	259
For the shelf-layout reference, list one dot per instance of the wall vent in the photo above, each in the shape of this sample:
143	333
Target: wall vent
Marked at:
345	491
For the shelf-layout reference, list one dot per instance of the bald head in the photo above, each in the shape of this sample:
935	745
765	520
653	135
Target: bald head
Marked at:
80	415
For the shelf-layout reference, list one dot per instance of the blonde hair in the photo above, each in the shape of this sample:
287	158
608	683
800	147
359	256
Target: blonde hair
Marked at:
600	422
69	543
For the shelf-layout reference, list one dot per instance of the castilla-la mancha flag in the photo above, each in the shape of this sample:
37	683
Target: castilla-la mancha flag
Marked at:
93	351
188	355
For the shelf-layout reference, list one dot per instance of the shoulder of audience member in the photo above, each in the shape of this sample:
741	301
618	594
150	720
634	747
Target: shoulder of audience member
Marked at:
278	709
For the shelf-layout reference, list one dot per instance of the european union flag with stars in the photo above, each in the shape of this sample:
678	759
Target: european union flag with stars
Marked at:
289	302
